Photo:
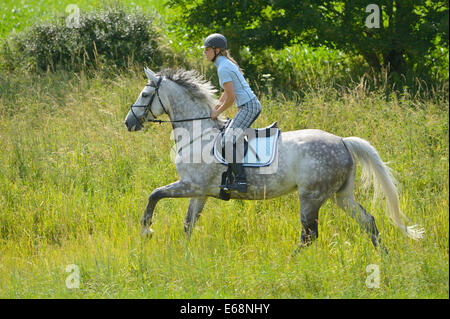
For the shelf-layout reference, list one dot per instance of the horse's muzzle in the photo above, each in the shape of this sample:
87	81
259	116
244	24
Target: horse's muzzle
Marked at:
133	125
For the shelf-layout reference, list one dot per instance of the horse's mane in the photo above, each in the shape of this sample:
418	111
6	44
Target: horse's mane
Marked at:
196	85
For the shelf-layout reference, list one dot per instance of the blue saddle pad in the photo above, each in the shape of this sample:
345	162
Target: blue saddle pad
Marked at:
260	149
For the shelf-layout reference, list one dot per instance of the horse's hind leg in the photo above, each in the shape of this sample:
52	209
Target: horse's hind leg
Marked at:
345	199
195	208
365	220
309	215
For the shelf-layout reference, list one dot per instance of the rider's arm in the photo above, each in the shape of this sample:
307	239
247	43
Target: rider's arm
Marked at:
227	98
222	98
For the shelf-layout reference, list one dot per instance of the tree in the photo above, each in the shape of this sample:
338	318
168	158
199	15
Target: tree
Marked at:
408	29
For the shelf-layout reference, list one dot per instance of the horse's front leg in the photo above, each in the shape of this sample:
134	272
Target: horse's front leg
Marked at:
195	208
175	190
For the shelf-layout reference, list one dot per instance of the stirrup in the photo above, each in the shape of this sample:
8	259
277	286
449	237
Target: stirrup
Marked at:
239	186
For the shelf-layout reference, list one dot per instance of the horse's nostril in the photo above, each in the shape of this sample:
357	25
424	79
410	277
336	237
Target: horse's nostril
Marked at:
127	125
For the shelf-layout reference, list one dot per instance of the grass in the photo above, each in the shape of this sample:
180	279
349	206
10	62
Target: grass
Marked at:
74	184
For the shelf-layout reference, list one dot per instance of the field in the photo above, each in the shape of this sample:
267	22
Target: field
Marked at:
74	184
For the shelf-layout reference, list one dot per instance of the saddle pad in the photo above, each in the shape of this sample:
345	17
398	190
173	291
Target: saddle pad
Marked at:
264	146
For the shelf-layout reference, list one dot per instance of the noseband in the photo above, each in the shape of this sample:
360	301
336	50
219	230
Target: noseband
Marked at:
148	108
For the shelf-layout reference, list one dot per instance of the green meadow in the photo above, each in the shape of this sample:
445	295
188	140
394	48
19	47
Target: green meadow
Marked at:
74	184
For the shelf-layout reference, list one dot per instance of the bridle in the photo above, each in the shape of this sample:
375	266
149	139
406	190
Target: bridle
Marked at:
148	108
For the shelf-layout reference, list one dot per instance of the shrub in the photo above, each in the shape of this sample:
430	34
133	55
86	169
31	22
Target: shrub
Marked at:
110	36
297	68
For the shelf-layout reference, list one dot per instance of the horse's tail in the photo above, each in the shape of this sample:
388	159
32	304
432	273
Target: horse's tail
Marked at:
373	166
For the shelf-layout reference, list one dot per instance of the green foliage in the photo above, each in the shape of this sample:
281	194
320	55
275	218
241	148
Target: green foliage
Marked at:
298	69
408	32
106	37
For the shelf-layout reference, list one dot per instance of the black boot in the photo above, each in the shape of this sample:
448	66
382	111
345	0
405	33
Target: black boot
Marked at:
240	181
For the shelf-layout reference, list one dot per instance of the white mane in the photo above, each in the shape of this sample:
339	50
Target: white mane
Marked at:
196	85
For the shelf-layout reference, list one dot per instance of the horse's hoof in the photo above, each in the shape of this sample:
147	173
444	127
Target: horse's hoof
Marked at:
299	248
384	250
147	232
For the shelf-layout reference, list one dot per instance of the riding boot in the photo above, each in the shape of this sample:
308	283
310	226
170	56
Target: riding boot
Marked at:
240	180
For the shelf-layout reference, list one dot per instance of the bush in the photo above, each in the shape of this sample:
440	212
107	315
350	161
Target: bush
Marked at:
110	36
297	68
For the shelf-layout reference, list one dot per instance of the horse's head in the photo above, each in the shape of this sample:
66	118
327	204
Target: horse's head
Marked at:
176	92
148	104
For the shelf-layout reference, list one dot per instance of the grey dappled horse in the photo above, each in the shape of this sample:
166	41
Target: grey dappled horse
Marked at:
317	164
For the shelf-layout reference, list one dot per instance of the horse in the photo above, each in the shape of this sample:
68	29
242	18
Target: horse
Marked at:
316	164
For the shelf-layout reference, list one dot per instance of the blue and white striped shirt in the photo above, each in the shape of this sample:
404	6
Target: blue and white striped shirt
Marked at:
228	71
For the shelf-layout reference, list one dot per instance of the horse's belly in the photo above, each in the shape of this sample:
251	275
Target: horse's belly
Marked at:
265	187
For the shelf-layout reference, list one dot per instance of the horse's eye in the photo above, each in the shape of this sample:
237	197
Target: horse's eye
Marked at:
144	94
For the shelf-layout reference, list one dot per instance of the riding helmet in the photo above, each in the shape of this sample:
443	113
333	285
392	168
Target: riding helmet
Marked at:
215	40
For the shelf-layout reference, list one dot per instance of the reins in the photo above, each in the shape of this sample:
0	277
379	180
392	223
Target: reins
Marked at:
176	121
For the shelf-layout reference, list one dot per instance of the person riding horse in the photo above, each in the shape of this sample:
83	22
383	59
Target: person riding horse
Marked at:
237	90
317	164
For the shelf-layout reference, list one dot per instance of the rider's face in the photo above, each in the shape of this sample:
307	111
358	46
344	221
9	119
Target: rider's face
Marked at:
209	53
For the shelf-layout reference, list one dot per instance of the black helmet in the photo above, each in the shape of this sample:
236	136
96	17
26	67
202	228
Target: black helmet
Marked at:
215	40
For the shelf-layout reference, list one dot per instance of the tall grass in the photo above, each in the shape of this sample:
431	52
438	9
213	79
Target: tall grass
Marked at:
74	184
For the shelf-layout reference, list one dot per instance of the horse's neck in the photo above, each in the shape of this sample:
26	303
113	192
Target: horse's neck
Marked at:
191	131
184	107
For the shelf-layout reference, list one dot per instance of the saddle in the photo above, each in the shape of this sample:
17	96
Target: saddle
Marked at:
260	149
260	146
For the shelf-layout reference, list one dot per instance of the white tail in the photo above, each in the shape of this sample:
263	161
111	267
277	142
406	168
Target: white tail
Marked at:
373	166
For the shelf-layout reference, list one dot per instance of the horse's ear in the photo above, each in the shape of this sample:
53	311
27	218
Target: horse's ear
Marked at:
150	75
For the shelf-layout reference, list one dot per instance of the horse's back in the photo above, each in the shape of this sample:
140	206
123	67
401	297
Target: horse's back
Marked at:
311	136
318	156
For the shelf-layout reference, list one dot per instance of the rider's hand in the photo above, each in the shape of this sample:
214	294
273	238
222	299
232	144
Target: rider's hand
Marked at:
215	113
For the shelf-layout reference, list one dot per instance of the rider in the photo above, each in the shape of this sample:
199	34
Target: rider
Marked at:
236	89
